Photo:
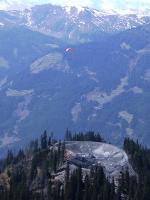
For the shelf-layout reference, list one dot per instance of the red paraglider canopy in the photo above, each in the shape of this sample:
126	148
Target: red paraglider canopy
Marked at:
69	49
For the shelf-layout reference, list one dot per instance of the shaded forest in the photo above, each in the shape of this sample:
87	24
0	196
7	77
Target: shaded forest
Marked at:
30	175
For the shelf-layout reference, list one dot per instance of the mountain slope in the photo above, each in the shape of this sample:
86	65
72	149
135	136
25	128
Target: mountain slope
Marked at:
97	85
42	85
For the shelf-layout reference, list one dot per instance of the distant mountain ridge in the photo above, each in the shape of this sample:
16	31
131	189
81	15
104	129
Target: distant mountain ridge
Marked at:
73	24
121	7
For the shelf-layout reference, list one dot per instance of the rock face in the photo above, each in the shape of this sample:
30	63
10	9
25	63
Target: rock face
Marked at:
87	154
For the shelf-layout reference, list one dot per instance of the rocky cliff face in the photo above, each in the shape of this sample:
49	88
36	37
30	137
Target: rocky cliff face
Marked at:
83	154
88	154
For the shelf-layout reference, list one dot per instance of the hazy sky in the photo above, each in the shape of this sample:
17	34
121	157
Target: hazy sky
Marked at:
107	4
98	4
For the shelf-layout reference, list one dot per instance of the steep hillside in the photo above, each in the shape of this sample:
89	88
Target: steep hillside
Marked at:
48	166
73	170
96	86
100	85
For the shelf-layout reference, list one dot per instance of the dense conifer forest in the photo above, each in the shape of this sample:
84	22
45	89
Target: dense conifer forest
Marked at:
29	175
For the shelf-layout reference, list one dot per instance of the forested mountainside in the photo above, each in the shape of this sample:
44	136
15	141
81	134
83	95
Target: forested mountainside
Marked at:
99	85
63	170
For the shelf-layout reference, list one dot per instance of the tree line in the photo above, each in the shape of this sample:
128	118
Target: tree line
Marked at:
33	174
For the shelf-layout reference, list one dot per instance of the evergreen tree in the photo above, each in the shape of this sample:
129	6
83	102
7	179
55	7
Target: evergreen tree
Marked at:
66	183
79	184
44	142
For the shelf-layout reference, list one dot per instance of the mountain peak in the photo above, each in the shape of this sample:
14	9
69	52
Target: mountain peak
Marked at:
108	7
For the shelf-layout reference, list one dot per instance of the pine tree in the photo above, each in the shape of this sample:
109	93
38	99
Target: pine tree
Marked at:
44	142
79	184
66	183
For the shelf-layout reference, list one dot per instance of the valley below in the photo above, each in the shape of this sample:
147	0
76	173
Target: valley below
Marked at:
102	84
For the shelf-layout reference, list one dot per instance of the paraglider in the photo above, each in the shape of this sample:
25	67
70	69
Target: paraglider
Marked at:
69	50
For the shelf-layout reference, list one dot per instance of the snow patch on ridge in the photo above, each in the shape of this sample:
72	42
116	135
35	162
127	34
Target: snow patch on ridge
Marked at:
18	93
22	111
102	97
128	117
126	46
50	61
136	90
76	110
